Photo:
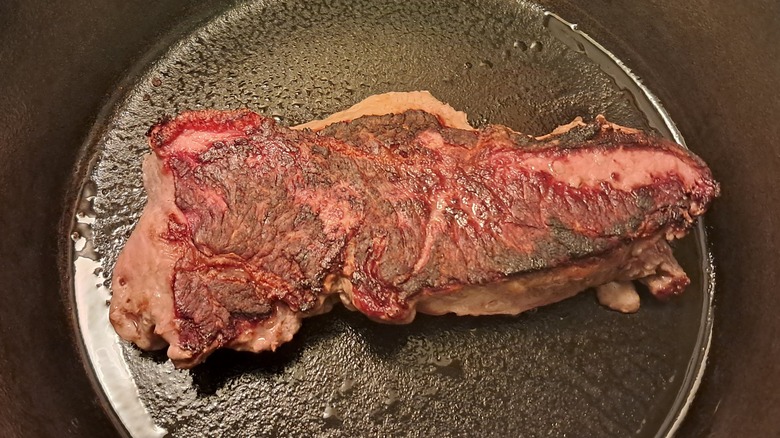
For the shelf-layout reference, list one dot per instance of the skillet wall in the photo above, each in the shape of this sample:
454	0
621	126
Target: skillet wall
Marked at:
716	69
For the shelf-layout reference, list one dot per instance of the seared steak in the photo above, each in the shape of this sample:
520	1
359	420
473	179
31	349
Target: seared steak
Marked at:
251	226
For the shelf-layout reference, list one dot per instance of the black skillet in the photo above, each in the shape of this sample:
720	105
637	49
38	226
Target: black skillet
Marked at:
72	74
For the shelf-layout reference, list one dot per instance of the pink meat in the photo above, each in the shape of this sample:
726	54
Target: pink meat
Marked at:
251	227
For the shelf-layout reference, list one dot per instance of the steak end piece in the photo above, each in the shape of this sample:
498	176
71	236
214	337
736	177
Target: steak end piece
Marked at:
251	226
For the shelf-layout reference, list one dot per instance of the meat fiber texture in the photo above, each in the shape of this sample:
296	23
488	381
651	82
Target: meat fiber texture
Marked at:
395	206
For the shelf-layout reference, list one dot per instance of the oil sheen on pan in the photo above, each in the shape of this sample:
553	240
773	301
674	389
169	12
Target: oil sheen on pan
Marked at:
570	368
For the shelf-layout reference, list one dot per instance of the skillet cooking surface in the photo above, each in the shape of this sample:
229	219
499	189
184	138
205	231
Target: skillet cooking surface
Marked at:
573	368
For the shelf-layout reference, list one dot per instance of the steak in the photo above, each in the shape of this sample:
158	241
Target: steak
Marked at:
251	226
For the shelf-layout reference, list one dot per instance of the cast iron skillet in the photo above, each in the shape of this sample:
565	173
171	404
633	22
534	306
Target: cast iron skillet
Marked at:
565	369
59	64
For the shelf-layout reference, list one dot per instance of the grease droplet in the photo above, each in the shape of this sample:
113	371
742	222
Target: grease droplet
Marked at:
331	413
347	386
441	361
392	397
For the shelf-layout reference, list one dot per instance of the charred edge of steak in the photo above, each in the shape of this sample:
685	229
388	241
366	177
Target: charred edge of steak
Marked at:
239	122
604	135
638	260
214	301
210	304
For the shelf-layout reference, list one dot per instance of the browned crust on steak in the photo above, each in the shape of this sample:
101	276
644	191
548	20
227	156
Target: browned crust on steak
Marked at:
395	214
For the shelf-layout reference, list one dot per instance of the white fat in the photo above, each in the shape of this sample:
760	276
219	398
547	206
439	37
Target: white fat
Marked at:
270	333
395	103
561	129
618	295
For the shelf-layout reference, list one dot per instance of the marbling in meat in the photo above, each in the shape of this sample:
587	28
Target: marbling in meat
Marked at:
251	226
